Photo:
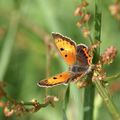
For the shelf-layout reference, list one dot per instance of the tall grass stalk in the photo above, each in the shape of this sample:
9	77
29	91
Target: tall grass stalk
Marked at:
102	89
89	93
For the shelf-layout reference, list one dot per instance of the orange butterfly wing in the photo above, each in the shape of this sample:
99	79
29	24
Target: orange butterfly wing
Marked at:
66	47
61	78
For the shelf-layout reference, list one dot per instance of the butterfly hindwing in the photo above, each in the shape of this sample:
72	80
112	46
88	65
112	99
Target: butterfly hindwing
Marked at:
83	56
78	76
66	47
58	79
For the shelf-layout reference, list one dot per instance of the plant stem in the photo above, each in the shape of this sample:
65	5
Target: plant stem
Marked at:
113	77
106	98
89	100
48	61
35	105
89	93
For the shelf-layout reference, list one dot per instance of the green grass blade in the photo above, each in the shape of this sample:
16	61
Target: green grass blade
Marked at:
101	89
8	45
66	101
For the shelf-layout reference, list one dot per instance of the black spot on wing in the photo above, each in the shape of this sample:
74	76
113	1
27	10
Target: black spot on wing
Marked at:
66	55
54	77
62	49
60	75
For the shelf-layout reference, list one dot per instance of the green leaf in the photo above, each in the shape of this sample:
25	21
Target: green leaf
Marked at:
66	101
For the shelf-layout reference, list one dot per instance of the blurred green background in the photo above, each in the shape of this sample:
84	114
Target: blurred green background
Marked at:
24	25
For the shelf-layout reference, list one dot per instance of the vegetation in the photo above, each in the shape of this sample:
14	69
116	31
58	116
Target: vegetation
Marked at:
27	55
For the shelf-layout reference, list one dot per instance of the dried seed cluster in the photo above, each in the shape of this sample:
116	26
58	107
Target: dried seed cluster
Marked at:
99	73
115	10
84	17
11	106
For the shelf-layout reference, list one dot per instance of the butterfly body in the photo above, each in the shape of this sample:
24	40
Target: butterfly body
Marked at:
77	68
77	58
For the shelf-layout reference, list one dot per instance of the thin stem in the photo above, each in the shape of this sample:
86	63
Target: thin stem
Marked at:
89	93
35	105
48	59
89	100
113	77
90	38
106	98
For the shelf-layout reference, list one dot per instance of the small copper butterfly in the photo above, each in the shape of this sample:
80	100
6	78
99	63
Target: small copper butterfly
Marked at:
77	58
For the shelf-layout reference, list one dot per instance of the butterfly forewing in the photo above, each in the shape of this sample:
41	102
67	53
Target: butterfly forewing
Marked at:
66	47
61	78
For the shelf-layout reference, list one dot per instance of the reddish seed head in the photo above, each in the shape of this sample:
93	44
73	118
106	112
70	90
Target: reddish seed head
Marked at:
109	55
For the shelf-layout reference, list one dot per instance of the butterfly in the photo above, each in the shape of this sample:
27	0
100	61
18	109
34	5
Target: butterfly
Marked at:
76	56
